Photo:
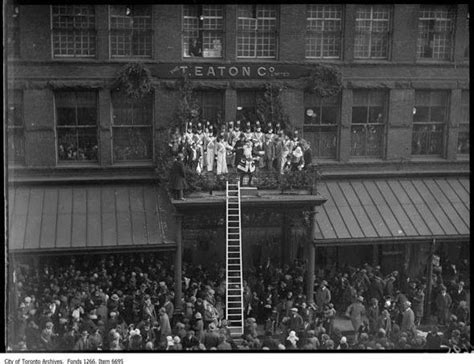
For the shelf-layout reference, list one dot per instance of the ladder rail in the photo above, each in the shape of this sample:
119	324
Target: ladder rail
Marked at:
238	328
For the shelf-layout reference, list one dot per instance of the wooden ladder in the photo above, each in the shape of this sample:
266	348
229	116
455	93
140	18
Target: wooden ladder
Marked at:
234	288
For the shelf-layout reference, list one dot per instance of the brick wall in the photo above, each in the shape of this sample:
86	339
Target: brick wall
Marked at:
401	75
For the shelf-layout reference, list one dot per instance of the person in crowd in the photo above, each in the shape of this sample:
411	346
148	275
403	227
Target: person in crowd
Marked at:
357	313
443	306
124	284
408	319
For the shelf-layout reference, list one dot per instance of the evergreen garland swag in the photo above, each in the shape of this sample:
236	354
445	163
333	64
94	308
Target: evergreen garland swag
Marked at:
134	80
325	80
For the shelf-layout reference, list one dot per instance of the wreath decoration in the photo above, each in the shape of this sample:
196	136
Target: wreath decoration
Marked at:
134	80
325	80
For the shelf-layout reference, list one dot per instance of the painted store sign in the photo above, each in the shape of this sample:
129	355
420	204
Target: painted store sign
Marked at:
233	71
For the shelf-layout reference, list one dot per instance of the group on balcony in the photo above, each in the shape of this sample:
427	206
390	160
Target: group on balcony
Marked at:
240	147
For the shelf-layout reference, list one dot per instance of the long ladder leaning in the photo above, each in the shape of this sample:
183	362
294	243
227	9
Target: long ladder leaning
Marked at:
234	288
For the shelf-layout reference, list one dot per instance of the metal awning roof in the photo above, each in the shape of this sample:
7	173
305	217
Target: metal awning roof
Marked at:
393	209
66	218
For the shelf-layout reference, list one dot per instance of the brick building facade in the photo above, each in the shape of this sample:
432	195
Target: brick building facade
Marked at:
403	110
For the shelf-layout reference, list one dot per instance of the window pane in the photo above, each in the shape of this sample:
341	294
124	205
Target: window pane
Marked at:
359	115
323	142
358	136
77	144
376	114
422	98
131	30
435	32
132	144
427	139
438	114
73	30
463	139
422	115
360	98
330	115
256	36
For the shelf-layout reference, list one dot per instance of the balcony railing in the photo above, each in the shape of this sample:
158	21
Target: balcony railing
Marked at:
291	181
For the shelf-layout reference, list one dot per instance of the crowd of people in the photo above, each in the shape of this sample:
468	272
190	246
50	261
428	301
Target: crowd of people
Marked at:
119	302
209	148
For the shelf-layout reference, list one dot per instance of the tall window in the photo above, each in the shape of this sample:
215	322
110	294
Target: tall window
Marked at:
212	105
73	29
131	30
247	105
436	32
321	122
429	120
257	31
13	24
463	133
132	131
372	32
369	112
203	27
15	127
76	125
323	31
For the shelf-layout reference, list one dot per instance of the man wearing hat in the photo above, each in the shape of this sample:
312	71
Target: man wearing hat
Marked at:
295	323
356	312
443	303
408	319
178	177
322	295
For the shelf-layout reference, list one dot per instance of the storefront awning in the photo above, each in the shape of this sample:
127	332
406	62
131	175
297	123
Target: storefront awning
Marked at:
393	209
88	218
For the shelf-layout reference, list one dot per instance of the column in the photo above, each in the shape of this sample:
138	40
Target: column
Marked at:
311	258
429	285
178	268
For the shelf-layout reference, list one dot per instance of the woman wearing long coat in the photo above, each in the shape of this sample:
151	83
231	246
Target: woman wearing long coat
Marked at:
356	311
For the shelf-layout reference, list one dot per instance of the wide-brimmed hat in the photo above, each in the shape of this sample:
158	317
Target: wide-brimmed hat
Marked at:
294	309
360	298
114	297
198	316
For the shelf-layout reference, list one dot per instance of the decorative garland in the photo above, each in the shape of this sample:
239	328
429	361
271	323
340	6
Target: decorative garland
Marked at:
325	80
134	80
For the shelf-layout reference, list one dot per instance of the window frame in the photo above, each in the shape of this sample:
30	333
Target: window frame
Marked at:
388	33
318	102
13	129
382	125
77	127
464	122
310	32
93	31
150	126
451	33
123	30
201	29
258	32
444	123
